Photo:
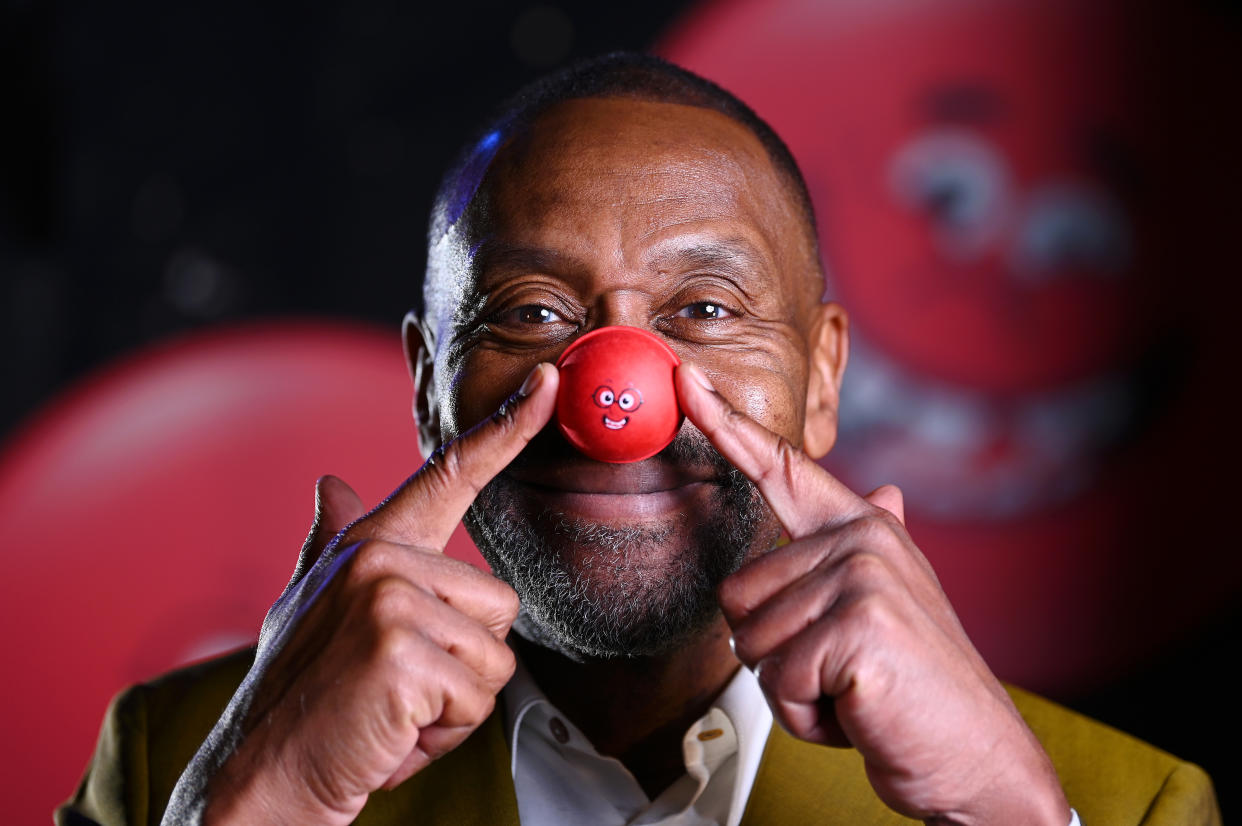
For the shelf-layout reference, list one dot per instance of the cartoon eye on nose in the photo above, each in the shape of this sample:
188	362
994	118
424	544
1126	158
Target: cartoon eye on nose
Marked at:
604	396
629	399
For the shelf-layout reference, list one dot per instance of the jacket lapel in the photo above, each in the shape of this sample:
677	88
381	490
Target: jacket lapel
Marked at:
802	783
470	786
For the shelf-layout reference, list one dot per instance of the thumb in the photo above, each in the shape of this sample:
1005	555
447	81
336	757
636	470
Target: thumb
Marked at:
336	506
888	497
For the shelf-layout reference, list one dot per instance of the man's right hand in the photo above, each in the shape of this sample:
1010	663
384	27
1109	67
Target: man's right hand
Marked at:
387	653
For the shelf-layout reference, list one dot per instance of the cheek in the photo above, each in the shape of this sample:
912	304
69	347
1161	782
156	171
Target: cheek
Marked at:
772	400
475	389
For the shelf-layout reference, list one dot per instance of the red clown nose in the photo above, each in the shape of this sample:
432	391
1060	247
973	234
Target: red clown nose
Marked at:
616	401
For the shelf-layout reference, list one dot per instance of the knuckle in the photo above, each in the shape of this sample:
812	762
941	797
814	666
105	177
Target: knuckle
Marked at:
771	673
445	469
744	647
504	419
406	710
887	519
373	559
786	452
496	665
787	457
452	461
468	701
393	648
873	677
480	707
871	616
487	702
506	600
866	569
466	642
506	663
874	523
445	463
511	604
733	596
733	418
876	528
390	598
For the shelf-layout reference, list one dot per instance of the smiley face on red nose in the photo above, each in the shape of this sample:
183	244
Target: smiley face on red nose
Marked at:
619	405
616	401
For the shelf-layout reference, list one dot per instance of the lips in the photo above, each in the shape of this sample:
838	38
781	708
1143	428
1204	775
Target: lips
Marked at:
581	475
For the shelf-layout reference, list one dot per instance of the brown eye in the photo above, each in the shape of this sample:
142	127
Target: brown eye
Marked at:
534	314
704	311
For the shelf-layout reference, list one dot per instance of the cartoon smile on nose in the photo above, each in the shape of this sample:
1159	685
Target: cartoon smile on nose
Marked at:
624	403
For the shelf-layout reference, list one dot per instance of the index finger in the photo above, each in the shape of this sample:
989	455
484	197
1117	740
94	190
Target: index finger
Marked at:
425	510
803	495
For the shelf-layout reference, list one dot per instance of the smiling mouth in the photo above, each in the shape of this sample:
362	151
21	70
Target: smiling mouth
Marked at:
614	424
613	494
619	506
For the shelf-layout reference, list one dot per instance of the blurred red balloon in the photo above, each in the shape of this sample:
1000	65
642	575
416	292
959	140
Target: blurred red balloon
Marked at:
154	513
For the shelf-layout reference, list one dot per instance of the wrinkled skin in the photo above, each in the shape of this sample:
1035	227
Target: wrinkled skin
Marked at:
672	219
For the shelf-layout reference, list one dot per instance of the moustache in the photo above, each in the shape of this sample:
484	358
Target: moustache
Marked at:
690	450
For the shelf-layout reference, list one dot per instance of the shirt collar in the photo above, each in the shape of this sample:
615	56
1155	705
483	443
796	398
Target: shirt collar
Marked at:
742	701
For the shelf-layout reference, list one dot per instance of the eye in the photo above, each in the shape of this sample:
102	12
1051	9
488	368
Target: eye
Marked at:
630	399
604	396
527	314
704	311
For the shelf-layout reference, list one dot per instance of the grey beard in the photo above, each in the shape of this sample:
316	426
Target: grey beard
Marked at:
592	590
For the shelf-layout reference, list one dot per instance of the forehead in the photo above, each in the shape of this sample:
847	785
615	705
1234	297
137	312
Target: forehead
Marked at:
650	164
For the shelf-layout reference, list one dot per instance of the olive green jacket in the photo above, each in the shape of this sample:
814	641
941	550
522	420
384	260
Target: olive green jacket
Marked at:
152	730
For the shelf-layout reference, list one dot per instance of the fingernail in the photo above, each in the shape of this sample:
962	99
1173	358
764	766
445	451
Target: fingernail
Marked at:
699	377
532	381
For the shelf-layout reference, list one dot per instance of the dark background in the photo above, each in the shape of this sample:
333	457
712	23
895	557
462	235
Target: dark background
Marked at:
170	166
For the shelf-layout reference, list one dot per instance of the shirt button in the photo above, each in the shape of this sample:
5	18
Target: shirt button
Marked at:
558	730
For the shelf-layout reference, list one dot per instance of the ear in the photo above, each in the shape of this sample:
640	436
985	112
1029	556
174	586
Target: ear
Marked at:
420	358
828	346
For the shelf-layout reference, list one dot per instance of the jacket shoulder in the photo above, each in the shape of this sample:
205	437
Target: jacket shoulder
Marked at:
1110	778
1113	778
152	730
149	734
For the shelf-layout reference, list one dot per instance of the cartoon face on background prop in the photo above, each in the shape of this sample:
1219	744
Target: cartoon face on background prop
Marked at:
616	401
972	164
979	174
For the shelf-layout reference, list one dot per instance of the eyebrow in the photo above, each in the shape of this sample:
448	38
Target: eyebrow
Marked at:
733	259
729	257
492	254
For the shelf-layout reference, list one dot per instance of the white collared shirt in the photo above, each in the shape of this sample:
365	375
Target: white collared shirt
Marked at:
560	778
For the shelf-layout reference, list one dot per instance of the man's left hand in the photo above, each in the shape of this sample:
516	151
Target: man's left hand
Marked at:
855	643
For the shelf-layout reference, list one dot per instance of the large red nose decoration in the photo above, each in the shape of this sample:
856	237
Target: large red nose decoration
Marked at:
616	401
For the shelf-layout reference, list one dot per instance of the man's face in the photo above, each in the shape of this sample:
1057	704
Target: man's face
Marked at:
659	216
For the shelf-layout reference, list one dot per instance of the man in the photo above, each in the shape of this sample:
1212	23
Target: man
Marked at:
657	609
